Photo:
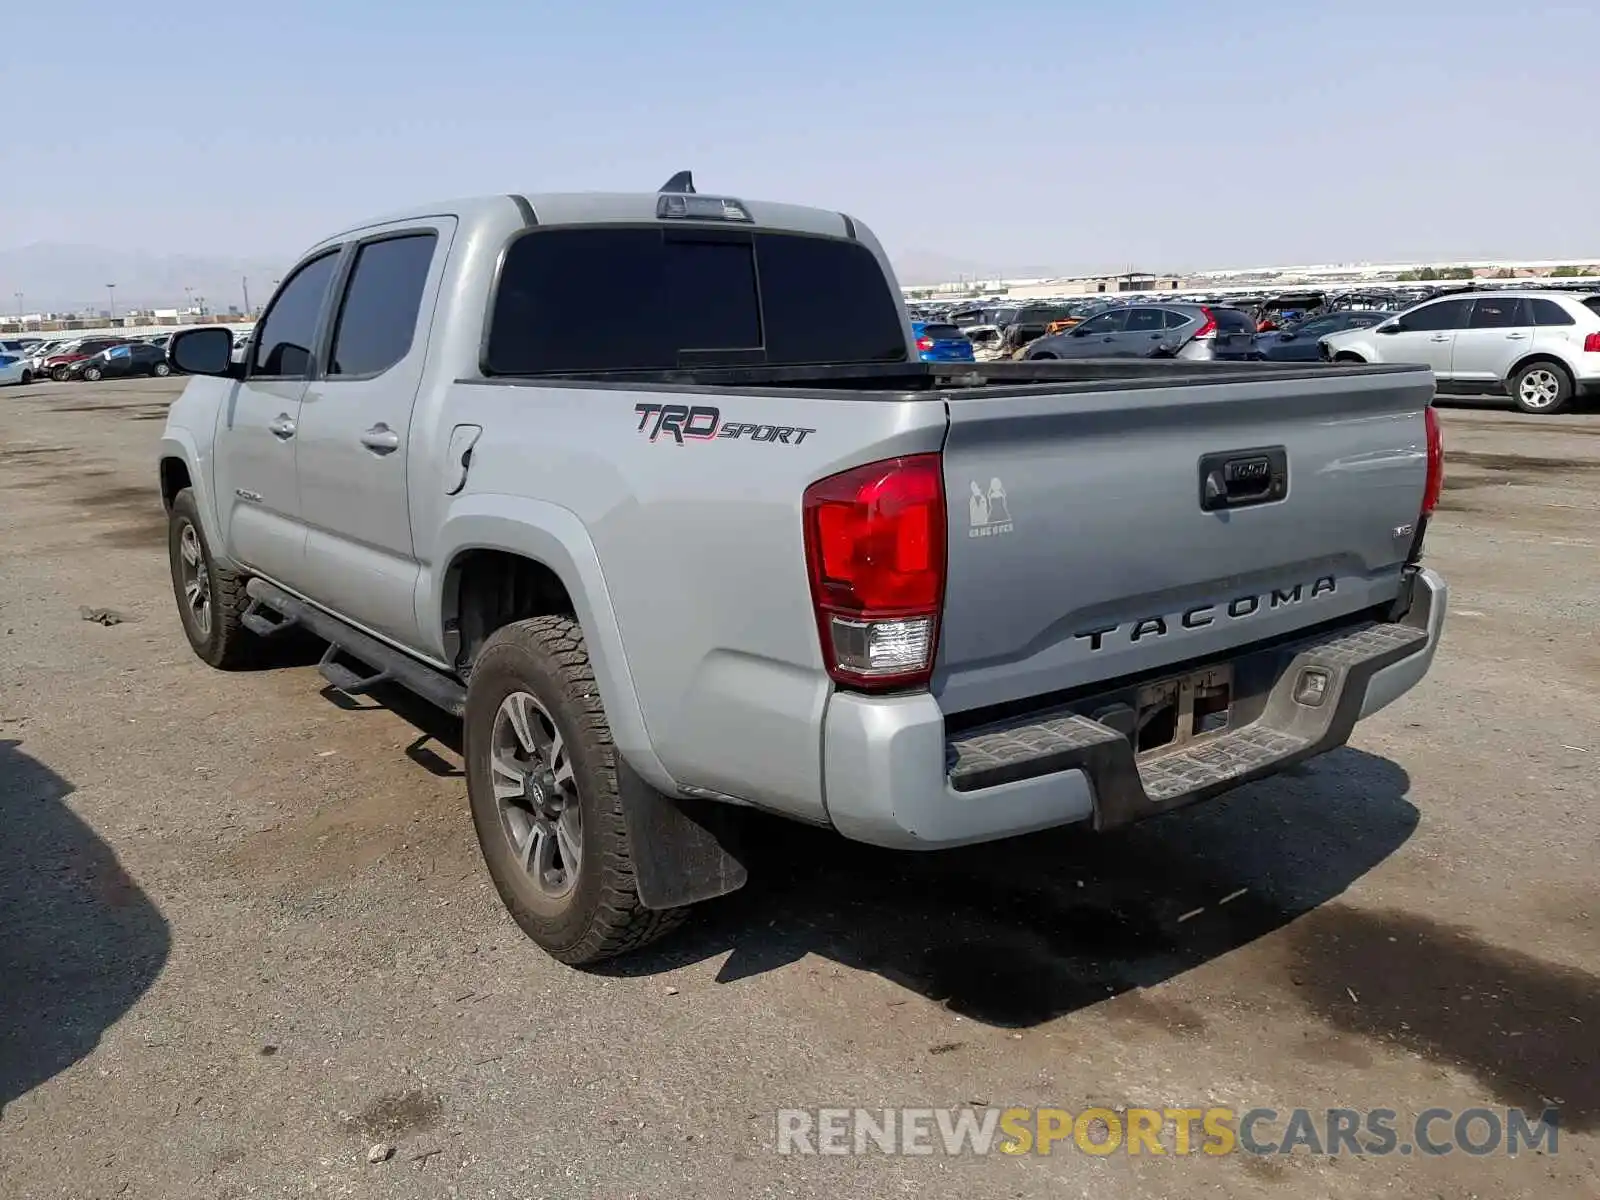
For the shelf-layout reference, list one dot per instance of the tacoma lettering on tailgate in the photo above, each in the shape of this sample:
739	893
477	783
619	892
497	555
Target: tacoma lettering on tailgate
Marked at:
1202	615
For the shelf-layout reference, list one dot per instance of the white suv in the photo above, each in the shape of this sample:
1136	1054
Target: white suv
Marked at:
1541	348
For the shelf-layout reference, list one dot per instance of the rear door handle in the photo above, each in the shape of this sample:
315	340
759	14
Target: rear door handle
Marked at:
282	427
1440	337
1515	337
380	439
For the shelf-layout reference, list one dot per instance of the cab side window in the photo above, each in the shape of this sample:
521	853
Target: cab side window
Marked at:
287	335
378	317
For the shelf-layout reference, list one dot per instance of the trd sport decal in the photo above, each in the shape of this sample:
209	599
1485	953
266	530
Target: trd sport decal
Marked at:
703	422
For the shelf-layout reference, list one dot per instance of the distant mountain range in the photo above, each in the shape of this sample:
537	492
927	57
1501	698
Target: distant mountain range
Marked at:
55	277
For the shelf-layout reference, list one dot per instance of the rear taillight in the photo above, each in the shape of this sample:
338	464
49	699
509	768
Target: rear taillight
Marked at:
1435	485
875	551
1591	344
924	343
1209	329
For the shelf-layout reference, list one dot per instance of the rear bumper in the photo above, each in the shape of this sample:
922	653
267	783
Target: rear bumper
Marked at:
894	778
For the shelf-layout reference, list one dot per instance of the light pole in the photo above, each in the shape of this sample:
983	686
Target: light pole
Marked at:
20	308
111	290
244	281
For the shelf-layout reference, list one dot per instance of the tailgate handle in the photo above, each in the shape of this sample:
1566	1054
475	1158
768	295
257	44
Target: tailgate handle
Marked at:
1240	478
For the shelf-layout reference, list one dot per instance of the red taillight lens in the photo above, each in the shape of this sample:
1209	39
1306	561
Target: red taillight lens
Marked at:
1435	485
875	551
1591	344
924	343
1209	329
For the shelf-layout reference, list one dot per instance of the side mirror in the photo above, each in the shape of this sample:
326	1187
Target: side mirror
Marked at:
1286	336
1390	327
206	351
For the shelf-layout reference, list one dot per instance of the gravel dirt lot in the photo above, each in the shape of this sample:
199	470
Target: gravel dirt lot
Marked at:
245	933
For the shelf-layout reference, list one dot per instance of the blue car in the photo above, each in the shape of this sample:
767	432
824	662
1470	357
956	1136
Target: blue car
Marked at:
941	343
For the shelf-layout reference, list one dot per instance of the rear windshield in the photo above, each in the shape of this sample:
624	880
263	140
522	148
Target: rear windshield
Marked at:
943	333
1231	320
649	299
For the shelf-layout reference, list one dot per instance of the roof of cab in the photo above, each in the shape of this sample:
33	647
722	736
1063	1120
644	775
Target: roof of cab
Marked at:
585	208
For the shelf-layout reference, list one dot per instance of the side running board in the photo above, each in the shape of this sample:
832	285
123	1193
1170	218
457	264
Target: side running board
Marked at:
272	610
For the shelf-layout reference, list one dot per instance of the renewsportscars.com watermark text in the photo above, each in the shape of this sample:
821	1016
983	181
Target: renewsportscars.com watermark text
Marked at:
972	1130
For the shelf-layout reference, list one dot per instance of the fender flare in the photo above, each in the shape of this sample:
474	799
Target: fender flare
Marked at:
179	443
554	536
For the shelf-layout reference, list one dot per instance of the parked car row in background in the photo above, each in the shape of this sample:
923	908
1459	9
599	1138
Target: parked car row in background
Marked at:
1539	347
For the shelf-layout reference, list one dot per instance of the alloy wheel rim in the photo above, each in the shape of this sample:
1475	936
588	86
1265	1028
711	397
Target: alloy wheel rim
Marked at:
196	579
1540	389
536	794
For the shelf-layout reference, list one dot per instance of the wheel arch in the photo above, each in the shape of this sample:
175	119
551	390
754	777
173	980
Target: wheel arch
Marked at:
179	466
544	561
1537	356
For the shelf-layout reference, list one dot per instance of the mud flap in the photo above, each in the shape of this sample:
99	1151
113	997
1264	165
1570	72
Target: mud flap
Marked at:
684	851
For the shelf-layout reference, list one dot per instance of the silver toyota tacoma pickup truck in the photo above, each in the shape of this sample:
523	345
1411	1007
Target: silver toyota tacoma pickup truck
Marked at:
652	491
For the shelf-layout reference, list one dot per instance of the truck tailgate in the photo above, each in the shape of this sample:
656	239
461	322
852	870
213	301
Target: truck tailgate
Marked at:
1083	546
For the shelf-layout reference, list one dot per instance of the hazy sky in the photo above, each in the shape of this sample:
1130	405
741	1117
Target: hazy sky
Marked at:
1003	132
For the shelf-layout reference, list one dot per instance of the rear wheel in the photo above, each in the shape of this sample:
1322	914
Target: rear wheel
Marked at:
27	378
161	370
59	374
1042	357
542	784
1541	388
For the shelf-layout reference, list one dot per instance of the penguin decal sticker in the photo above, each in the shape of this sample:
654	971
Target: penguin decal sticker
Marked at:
988	511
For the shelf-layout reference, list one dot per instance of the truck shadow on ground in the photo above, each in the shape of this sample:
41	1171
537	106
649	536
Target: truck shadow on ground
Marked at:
81	944
1018	932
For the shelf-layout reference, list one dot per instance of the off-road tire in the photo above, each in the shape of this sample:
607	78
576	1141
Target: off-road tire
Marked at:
601	917
227	645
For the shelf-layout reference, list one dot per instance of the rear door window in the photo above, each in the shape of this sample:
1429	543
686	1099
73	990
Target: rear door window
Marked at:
687	296
1498	312
381	304
1144	320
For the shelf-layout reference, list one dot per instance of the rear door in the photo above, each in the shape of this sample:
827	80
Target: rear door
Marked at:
258	500
1108	564
1499	331
355	426
1144	332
